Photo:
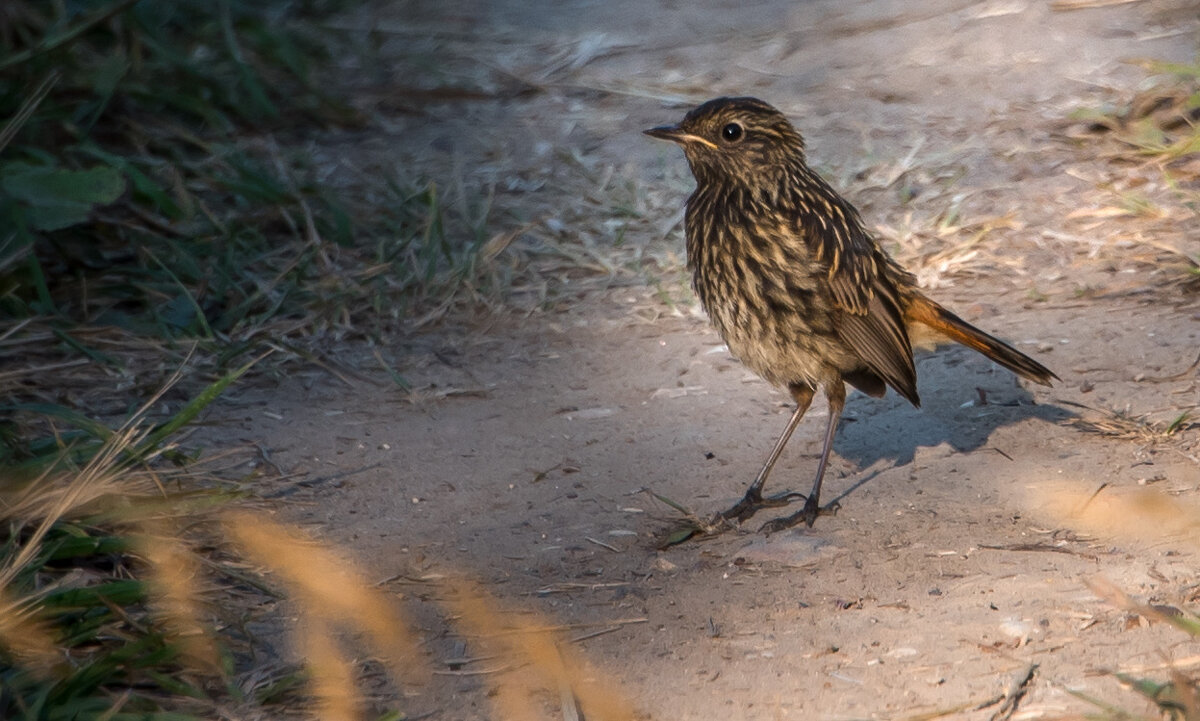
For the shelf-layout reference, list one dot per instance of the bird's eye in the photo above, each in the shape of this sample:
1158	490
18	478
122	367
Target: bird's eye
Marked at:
731	132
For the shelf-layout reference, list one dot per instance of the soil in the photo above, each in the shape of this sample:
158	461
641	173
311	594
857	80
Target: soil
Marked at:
523	451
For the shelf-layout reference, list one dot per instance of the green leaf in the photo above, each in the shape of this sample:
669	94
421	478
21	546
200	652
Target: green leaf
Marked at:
673	504
37	184
53	215
176	686
86	546
179	313
678	536
106	76
1167	696
94	428
143	185
59	198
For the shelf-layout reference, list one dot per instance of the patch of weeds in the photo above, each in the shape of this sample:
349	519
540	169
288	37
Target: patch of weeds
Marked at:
1141	206
159	205
157	189
1036	296
1161	121
132	589
160	208
1159	128
85	632
1163	684
1174	697
1128	426
127	585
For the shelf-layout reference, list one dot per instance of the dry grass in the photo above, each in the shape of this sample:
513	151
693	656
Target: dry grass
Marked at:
333	602
1125	425
478	244
1140	517
179	591
198	558
1151	142
68	571
27	637
227	240
330	595
538	678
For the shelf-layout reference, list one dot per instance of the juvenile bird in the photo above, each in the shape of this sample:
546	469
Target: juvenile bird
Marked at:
799	290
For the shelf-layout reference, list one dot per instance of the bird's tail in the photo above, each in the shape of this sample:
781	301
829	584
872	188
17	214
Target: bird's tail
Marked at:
937	323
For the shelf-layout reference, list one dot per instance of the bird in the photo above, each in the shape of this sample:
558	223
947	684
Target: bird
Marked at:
797	287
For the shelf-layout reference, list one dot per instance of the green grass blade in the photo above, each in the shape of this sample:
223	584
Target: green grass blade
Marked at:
121	592
51	43
189	412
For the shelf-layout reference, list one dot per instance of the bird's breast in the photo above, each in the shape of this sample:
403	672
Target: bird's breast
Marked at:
752	273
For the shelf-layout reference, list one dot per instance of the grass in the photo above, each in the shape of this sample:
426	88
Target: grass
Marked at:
1116	423
159	210
155	183
1157	132
79	638
128	583
1145	516
165	229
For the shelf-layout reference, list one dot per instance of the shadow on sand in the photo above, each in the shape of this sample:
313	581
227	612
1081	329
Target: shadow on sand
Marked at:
964	399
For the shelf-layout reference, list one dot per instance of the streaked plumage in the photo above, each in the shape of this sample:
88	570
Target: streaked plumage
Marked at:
795	284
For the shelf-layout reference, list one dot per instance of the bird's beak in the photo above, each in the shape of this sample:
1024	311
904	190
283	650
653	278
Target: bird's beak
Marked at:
677	135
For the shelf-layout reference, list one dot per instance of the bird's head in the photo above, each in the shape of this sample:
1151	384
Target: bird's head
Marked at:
735	137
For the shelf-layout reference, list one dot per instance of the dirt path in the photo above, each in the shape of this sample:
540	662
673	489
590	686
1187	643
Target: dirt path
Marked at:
951	568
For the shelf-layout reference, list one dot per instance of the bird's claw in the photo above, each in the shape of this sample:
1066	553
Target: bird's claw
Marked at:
750	504
808	515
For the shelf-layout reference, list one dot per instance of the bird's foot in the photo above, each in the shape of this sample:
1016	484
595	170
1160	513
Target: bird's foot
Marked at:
750	504
808	515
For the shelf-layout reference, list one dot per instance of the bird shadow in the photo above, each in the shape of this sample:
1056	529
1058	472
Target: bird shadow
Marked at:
964	400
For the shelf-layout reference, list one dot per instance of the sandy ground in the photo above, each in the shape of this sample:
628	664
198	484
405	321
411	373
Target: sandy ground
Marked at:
521	454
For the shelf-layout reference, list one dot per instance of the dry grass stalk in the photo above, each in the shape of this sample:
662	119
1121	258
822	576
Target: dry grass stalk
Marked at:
1145	515
1149	517
1064	5
540	666
332	674
332	594
40	502
1126	426
1181	697
25	636
174	575
107	485
61	493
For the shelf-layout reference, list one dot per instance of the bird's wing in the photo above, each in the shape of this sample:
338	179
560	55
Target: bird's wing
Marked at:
860	277
878	336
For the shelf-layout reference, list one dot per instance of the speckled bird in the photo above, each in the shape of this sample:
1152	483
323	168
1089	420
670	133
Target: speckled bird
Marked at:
795	284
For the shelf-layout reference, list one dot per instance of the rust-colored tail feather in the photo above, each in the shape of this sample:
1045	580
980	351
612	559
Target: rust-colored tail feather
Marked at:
944	324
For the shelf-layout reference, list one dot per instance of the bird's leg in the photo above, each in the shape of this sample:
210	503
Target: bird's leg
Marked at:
837	401
753	500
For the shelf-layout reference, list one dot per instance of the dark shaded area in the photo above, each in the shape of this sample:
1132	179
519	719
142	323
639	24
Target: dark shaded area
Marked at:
874	430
